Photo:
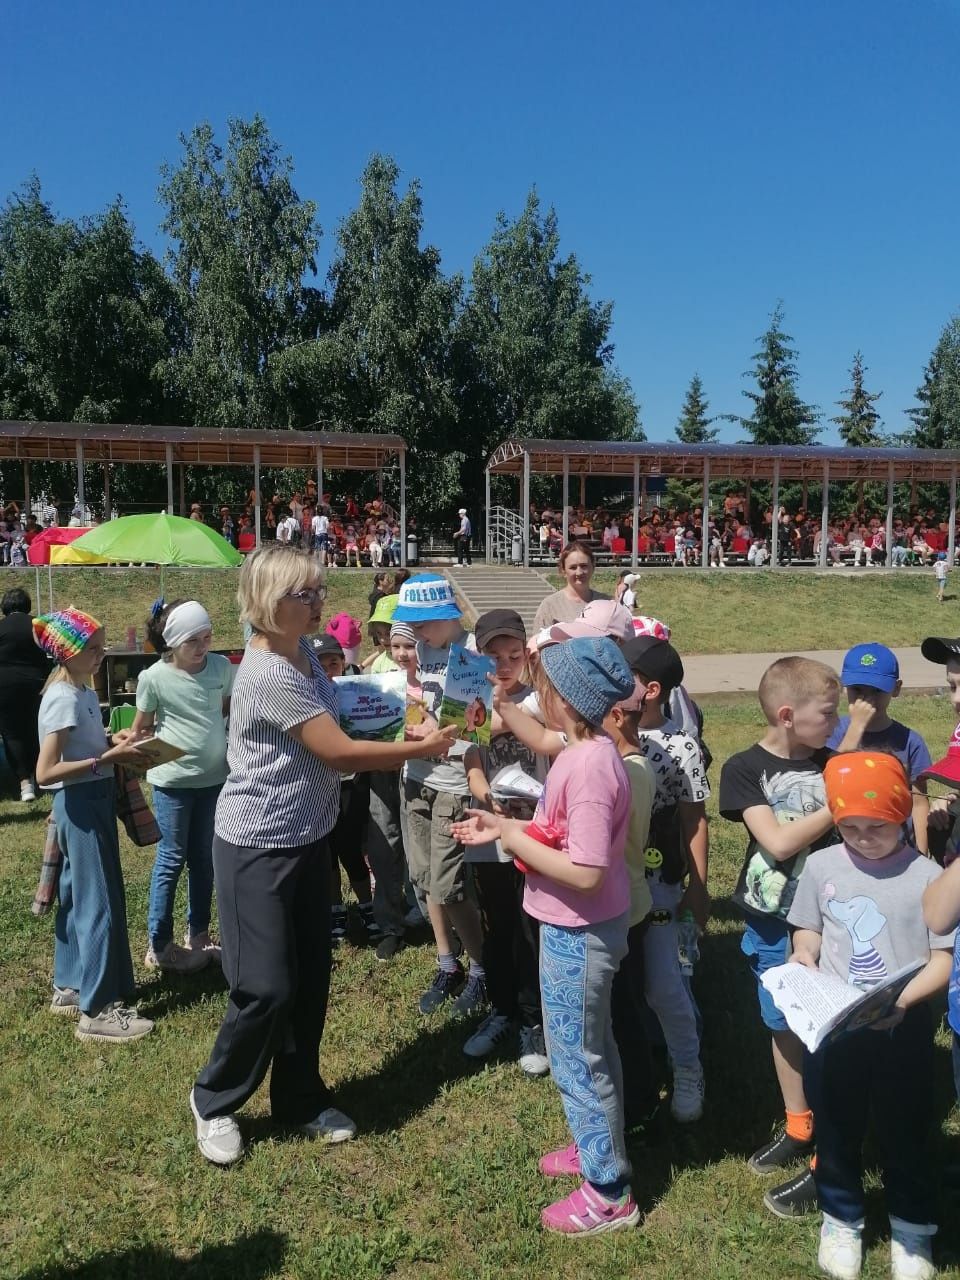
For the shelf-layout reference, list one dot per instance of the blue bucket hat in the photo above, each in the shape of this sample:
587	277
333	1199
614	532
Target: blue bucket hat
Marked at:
873	665
426	597
591	675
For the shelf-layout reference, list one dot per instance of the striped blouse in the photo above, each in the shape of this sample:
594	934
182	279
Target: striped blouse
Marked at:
278	794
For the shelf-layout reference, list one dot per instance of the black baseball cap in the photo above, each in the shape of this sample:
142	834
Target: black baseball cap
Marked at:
940	650
656	659
327	644
499	622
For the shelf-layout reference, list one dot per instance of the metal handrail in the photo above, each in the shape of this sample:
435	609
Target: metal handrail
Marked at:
505	525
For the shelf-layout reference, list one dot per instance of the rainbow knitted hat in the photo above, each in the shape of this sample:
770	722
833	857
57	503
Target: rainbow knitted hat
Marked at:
64	634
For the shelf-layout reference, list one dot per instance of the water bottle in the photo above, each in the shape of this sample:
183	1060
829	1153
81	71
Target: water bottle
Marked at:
688	943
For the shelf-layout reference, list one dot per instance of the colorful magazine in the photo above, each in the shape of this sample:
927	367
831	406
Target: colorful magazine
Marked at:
467	698
373	707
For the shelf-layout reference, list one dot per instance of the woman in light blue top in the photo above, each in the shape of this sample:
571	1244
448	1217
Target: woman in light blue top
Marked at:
184	699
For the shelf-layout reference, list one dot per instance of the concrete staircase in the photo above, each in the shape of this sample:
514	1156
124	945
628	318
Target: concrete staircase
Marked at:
484	586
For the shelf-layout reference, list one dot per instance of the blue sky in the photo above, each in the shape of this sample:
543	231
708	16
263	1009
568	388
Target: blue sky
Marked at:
704	159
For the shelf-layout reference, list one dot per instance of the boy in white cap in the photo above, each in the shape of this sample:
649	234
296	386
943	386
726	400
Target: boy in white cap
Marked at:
435	794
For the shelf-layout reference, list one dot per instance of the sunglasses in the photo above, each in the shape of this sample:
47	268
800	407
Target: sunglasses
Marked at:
309	596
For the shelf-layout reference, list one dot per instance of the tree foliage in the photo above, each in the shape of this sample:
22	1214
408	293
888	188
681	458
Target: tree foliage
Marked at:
859	423
936	416
779	415
693	426
243	242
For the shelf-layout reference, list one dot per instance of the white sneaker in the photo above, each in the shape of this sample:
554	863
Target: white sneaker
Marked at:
686	1105
493	1030
219	1139
841	1250
911	1256
27	792
65	1002
113	1024
203	942
330	1126
174	959
533	1052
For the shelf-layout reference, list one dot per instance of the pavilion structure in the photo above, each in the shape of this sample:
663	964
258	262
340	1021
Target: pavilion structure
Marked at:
738	464
175	448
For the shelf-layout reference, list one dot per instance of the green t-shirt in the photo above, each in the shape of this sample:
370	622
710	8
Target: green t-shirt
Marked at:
189	714
382	662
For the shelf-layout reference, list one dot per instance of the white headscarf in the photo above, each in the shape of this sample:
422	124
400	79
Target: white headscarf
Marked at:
184	622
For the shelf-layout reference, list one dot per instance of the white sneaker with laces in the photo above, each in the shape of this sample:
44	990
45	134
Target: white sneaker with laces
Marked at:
686	1105
493	1030
841	1249
533	1052
911	1256
330	1126
203	942
27	792
114	1024
219	1140
174	959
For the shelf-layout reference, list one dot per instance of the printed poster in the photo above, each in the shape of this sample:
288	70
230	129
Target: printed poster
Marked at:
373	707
467	698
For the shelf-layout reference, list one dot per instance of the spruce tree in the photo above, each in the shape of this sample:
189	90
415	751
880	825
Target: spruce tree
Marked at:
779	415
859	423
694	426
936	416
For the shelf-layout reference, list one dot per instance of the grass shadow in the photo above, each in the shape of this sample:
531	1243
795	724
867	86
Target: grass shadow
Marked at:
249	1257
169	993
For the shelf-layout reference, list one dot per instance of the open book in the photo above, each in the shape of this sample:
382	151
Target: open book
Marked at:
511	783
819	1007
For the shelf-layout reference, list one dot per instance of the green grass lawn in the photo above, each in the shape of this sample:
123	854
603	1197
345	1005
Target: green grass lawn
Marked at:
710	612
100	1177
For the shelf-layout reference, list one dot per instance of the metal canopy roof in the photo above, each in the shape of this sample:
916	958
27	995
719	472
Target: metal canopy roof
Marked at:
203	446
739	462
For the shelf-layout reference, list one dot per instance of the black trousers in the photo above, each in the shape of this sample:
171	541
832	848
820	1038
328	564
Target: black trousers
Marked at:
273	906
629	1009
19	704
462	543
349	835
511	952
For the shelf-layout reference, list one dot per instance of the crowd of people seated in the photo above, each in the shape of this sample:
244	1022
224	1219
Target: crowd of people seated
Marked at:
674	535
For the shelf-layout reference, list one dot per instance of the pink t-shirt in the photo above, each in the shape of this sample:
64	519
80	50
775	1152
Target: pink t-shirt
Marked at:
587	799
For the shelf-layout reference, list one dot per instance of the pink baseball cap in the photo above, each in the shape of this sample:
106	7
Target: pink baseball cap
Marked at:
345	629
599	618
651	627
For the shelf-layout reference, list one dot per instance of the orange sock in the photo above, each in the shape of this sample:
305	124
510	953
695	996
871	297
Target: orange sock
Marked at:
800	1125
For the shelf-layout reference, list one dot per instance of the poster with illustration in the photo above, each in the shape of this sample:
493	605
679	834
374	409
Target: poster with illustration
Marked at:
467	698
373	707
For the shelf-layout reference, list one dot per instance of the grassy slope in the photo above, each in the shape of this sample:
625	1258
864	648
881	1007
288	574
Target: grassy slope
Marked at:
99	1176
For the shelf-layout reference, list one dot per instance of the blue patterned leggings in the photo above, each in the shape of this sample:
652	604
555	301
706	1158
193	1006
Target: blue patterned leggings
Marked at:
577	968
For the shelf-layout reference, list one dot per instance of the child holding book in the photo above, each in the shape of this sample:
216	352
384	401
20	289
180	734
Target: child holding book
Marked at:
185	699
857	915
579	889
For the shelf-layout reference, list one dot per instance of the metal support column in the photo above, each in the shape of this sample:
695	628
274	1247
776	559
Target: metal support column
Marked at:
952	535
804	493
526	509
634	551
182	468
565	517
403	503
487	549
169	479
824	514
320	477
256	492
705	517
26	492
106	491
775	522
81	489
888	559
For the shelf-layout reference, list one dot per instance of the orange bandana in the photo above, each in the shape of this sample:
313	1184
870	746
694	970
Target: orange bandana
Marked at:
867	784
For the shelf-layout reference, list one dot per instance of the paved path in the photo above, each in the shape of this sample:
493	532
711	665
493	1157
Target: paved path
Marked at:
741	672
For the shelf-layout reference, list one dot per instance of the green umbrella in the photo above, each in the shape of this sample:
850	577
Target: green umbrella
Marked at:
159	539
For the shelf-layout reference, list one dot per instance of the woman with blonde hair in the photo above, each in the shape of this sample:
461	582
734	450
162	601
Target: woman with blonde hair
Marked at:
272	863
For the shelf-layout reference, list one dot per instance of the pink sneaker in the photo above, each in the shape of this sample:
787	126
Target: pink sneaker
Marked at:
585	1212
561	1164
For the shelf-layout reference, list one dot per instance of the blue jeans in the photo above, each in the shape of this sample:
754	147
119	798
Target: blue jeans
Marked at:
577	968
185	818
887	1073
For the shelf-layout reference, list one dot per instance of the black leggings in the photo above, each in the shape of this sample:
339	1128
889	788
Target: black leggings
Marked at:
348	836
19	705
